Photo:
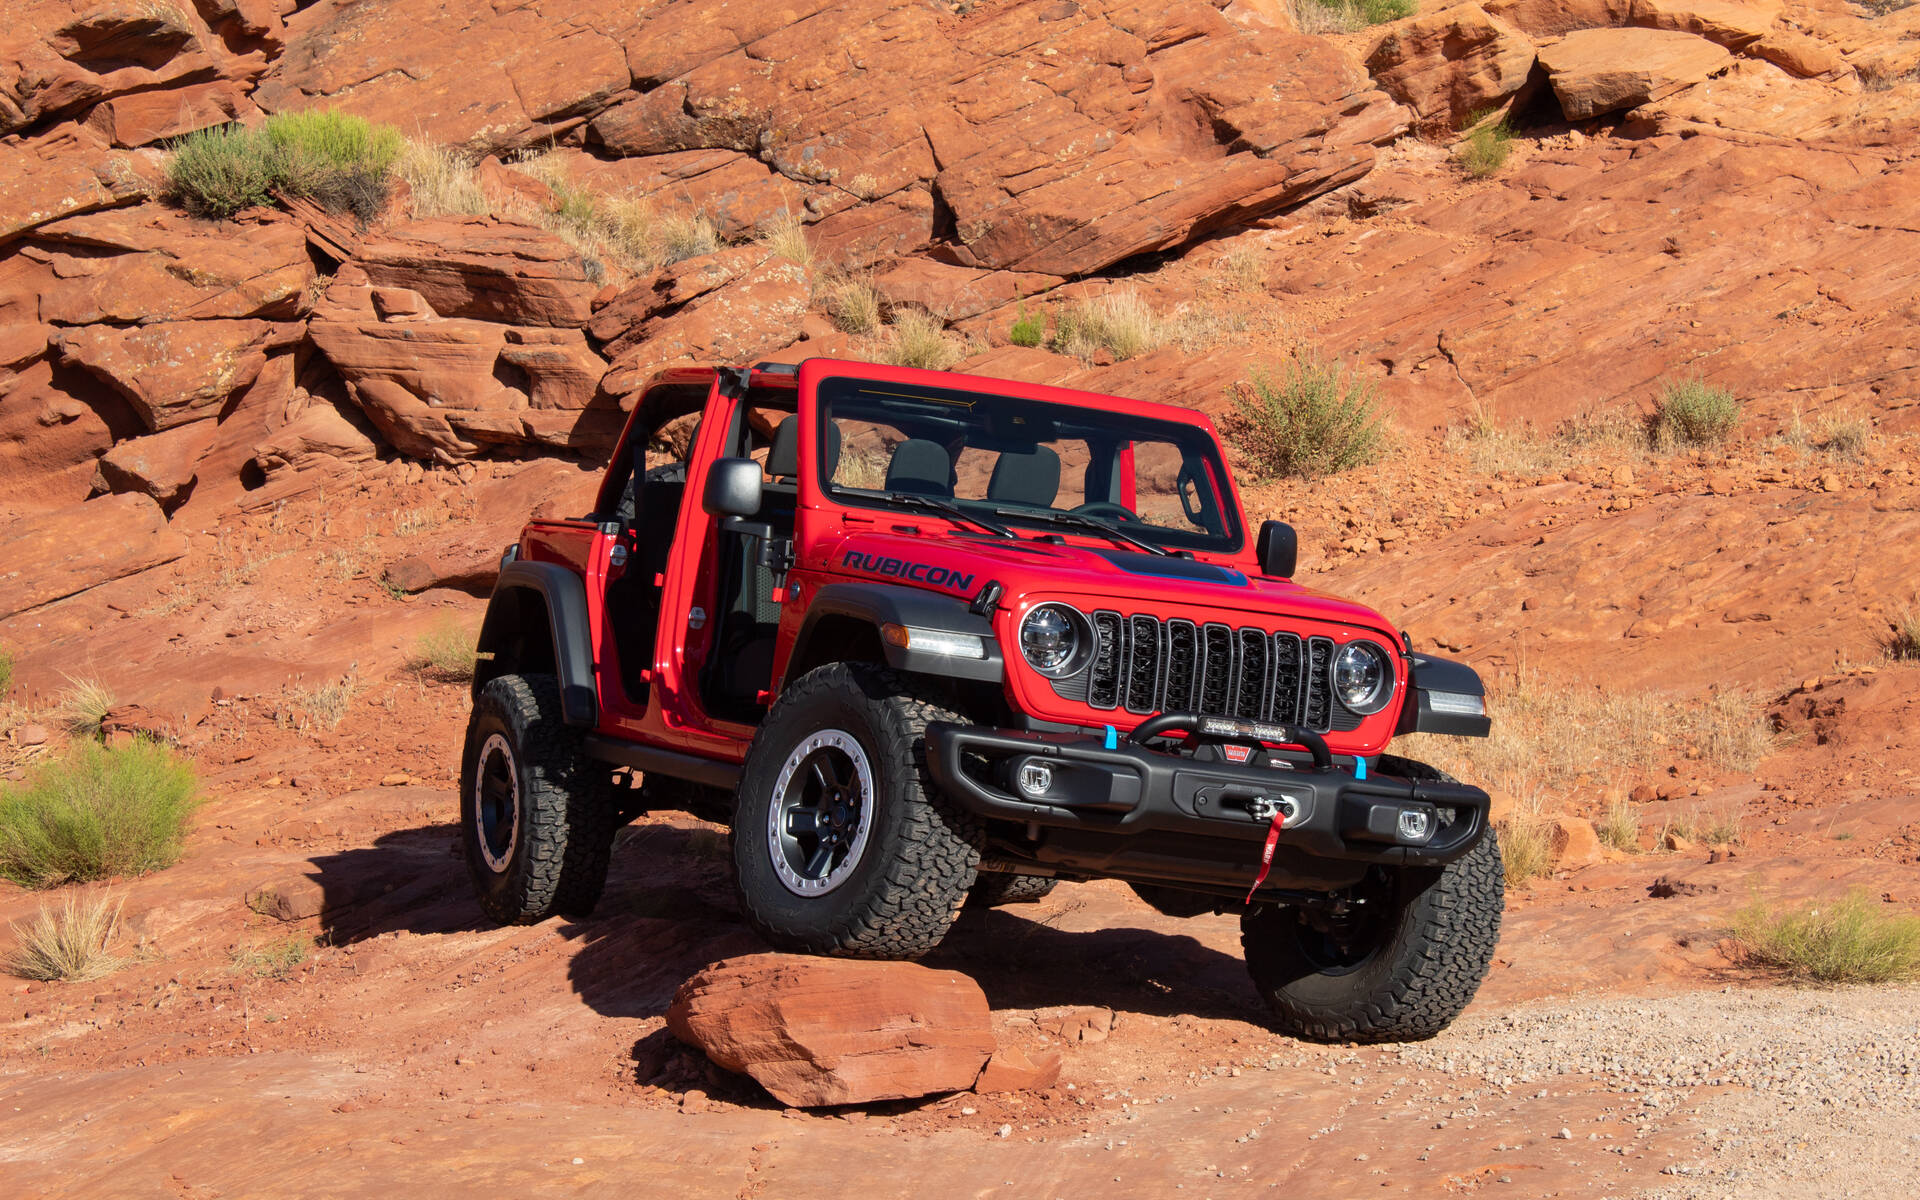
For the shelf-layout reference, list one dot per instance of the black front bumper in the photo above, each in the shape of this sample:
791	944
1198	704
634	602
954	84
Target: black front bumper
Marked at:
1204	821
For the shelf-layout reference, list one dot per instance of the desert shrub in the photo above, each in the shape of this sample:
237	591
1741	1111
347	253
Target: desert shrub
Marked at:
325	705
1850	940
1691	412
1313	421
853	304
1121	323
1028	329
440	181
682	236
72	940
1619	826
1842	436
918	339
1903	642
786	236
97	812
1485	147
1347	16
339	161
445	652
83	706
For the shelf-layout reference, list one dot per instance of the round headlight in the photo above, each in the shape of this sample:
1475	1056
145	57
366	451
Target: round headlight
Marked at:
1052	639
1362	677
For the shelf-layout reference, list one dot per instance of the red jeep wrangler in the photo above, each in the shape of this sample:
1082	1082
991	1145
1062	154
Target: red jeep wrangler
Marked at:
922	635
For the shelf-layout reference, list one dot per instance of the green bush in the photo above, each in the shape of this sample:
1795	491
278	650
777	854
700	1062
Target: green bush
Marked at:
1853	940
341	162
1485	147
1028	329
1314	421
97	812
1692	413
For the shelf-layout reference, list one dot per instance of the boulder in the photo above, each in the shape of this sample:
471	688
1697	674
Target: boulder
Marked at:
317	435
151	264
1575	843
293	898
176	372
1012	1069
68	550
817	1031
483	269
747	320
1450	65
161	465
1551	18
1595	71
1734	24
71	171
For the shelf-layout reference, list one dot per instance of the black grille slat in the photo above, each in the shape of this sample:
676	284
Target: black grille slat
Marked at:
1109	654
1146	665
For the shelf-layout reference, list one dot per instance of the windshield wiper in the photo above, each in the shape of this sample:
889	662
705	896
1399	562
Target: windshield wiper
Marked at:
916	500
1082	521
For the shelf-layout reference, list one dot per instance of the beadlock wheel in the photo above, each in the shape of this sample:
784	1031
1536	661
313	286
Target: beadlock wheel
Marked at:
496	804
821	817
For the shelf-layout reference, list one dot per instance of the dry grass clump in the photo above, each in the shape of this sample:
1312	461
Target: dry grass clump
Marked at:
1490	447
1526	848
1315	420
1619	826
6	671
1709	825
853	303
325	706
1485	147
445	652
72	940
918	339
1851	940
83	706
786	236
441	181
97	812
1691	412
1120	323
272	960
1349	16
1903	641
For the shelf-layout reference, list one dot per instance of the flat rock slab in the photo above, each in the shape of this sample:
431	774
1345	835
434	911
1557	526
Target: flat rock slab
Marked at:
64	552
1599	70
817	1031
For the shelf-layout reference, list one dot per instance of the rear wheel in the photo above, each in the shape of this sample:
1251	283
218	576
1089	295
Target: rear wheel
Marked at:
536	815
841	843
1393	958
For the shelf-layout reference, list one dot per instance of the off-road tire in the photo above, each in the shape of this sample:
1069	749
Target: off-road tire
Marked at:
906	886
558	858
1425	967
996	888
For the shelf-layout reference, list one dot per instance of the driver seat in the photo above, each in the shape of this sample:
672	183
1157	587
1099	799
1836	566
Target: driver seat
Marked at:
1029	477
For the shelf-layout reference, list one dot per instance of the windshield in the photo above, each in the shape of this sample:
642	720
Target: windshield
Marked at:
1024	463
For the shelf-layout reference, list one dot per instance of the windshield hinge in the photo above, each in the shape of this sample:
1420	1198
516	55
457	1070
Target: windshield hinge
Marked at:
987	599
734	380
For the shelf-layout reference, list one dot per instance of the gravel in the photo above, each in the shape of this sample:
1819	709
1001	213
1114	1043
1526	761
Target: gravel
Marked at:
1816	1092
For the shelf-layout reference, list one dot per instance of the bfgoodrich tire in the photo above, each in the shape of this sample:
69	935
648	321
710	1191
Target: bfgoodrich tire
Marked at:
536	815
996	888
1398	966
841	844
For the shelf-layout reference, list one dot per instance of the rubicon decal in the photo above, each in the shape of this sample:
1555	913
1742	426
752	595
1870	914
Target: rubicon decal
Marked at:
900	568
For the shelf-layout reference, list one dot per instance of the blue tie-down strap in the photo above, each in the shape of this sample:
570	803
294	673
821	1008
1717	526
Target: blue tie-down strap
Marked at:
1359	767
1113	738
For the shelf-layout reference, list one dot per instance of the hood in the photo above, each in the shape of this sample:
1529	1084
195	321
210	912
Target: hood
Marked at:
1099	576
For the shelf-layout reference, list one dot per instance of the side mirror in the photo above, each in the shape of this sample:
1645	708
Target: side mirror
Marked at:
733	488
1278	548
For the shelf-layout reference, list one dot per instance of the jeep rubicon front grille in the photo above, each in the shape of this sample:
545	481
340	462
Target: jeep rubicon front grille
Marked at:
1147	665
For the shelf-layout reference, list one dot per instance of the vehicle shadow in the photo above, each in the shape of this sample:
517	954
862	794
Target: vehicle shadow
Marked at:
410	879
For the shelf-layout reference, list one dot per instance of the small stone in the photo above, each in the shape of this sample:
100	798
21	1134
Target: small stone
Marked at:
31	735
1004	1131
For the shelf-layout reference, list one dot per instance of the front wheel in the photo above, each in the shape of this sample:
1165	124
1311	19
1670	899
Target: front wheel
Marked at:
841	844
536	815
1394	958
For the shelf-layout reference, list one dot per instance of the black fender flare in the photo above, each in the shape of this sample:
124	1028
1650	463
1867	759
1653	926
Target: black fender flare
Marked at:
1428	675
564	598
879	604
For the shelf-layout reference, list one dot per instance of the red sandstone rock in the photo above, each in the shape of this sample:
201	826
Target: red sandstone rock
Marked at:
735	191
749	319
1012	1069
180	371
1599	70
150	264
816	1031
162	465
67	172
69	550
1449	65
50	438
144	118
1575	843
482	269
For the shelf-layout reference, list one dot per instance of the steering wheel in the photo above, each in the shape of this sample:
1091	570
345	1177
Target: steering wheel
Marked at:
1098	508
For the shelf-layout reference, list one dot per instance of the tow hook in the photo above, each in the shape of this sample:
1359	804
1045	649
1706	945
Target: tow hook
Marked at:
1265	808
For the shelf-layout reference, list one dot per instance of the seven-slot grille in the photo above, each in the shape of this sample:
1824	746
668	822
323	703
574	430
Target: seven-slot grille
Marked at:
1144	664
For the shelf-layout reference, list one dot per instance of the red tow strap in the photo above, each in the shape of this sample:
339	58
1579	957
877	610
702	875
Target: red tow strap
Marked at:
1266	855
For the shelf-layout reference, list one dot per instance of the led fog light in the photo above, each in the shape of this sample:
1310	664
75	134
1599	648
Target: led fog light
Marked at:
1415	825
1035	778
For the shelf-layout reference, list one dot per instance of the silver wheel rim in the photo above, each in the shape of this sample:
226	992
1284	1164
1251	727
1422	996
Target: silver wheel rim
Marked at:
821	816
496	803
